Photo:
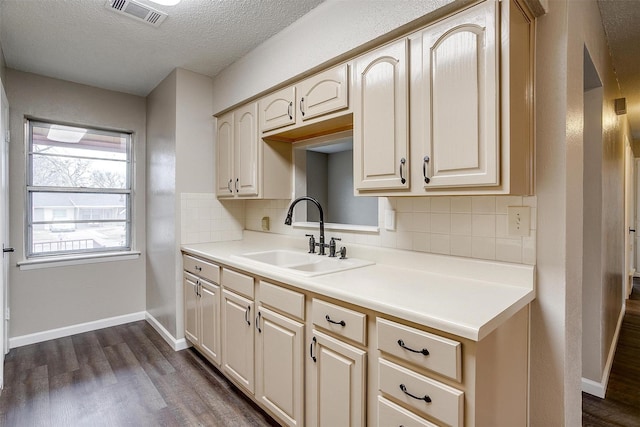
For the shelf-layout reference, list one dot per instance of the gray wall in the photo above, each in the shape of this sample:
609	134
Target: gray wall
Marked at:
161	203
49	298
179	160
344	207
317	175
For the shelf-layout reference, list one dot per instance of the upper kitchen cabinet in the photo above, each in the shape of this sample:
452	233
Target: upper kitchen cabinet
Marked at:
459	100
468	112
471	103
380	119
314	106
242	159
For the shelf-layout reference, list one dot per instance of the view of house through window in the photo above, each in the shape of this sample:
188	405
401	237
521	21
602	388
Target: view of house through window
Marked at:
78	190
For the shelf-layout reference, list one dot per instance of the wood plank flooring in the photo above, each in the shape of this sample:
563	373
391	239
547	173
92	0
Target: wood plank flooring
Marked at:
121	376
621	407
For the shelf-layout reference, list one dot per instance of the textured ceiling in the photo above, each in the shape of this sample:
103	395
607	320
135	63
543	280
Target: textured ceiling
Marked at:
82	41
621	19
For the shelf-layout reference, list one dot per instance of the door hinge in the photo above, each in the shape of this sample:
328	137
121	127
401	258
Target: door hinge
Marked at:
7	315
7	137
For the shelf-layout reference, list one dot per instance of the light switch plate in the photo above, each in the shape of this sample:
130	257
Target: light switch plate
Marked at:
390	220
519	220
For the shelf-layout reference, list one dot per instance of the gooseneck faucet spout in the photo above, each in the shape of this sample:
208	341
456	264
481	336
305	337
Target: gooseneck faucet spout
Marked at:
288	220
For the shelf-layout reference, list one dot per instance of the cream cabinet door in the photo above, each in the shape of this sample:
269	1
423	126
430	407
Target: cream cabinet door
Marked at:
338	395
380	119
210	320
324	93
460	104
191	327
237	339
278	109
246	151
224	156
280	367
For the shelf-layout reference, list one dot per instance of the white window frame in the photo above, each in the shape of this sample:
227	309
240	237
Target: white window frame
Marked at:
31	189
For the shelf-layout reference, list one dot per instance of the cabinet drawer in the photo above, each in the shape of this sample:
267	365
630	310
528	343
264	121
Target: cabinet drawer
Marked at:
446	403
201	268
390	414
442	355
238	282
283	300
339	320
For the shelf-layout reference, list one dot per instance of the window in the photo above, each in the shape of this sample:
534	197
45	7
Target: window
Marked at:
78	190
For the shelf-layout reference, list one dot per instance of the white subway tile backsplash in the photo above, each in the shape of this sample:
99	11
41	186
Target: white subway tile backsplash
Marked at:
405	204
502	203
461	205
468	226
441	244
421	204
509	250
483	225
441	204
441	223
461	224
461	245
483	247
483	205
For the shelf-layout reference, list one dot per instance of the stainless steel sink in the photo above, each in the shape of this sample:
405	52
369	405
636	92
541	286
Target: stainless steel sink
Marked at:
302	263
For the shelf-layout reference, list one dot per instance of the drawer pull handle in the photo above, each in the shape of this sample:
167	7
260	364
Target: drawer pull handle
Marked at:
311	348
247	314
426	397
341	323
424	351
198	268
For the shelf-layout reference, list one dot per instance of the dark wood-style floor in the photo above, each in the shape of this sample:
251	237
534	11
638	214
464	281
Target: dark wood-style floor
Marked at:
121	376
621	406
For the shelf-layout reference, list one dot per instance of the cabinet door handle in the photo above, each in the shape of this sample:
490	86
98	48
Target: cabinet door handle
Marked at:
229	186
258	322
247	315
424	169
236	185
341	323
312	348
302	105
424	351
289	108
426	397
402	163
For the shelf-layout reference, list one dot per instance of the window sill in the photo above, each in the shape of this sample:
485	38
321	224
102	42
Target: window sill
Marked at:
62	261
339	227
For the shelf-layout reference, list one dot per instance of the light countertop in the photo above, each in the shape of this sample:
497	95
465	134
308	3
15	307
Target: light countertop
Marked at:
462	296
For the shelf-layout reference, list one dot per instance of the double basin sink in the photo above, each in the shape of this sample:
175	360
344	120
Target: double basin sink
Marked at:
301	263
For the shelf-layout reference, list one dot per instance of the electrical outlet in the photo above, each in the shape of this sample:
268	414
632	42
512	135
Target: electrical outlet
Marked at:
519	220
265	223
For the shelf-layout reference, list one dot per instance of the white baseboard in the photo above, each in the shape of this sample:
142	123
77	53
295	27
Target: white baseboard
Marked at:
599	389
177	345
74	329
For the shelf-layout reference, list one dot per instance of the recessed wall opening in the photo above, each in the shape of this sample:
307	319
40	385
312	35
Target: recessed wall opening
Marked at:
324	170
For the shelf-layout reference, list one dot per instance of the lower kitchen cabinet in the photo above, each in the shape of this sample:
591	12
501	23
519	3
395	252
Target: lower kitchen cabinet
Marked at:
280	366
237	339
310	360
201	315
338	388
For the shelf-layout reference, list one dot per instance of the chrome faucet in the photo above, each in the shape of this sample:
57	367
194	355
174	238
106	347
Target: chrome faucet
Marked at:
321	245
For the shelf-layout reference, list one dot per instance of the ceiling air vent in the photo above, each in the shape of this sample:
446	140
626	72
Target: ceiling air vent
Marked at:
136	10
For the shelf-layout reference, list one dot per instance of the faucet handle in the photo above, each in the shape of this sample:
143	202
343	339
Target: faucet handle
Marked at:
332	247
312	243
